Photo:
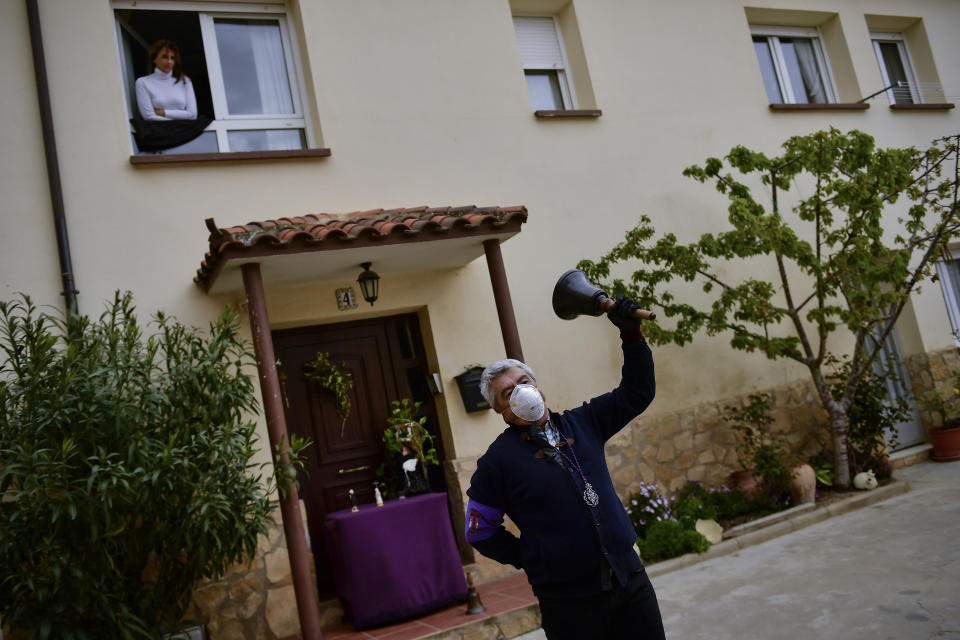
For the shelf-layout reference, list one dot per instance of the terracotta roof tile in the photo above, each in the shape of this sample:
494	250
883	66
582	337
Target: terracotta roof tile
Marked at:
316	232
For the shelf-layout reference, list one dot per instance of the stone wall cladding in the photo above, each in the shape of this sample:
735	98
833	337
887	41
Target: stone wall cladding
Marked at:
254	601
932	371
695	443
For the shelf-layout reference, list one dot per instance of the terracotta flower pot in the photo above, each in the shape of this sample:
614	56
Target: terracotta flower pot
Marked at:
945	441
803	485
744	480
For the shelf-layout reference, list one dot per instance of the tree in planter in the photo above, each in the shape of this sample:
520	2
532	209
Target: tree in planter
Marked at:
126	470
835	268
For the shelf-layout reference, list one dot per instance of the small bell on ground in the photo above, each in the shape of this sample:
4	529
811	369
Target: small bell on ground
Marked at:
474	605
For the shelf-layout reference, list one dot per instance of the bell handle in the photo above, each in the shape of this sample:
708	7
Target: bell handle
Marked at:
605	304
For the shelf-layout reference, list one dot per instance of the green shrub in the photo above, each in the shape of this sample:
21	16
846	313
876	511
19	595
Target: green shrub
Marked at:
669	539
125	469
731	503
761	450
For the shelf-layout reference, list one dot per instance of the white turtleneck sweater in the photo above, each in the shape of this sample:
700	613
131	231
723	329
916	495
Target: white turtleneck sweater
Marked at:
161	90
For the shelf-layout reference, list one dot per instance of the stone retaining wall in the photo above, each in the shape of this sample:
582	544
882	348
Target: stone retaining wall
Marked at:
696	444
253	601
929	371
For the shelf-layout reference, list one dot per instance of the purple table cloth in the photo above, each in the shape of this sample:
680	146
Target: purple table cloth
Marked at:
396	561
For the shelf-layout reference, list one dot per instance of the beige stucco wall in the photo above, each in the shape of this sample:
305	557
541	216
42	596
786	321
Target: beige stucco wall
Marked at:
424	103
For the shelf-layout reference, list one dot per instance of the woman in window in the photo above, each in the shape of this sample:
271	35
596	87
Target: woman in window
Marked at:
167	93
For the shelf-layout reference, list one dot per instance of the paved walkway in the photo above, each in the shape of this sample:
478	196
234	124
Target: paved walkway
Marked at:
887	571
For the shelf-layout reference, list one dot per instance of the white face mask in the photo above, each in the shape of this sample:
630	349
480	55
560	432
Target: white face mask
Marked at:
526	402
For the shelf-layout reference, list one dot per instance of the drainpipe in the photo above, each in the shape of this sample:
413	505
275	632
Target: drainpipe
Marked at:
501	296
50	150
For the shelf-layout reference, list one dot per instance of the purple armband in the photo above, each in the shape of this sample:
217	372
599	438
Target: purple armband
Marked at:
482	521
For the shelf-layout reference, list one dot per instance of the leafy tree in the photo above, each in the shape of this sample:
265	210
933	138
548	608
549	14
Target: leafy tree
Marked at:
838	261
125	469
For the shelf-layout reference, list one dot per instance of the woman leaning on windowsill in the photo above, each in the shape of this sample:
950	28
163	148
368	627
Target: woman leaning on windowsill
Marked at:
167	93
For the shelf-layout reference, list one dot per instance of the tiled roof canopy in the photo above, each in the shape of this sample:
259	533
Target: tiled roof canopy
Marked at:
325	231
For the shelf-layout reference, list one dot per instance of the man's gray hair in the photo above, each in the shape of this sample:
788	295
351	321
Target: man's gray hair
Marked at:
495	370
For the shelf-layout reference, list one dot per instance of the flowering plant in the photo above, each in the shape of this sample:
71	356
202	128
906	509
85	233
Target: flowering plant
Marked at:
647	505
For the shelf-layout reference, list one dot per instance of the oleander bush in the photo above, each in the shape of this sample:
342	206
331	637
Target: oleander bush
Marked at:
126	470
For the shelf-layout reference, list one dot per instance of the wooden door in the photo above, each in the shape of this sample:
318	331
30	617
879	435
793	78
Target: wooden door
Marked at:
385	356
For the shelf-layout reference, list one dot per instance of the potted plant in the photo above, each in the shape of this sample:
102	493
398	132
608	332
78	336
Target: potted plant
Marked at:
944	435
761	453
409	448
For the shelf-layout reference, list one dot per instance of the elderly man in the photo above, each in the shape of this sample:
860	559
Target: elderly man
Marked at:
548	473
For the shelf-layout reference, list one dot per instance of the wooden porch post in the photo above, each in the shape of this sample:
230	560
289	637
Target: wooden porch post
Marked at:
501	295
303	584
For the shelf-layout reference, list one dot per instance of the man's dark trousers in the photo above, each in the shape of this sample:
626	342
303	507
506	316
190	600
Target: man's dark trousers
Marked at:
623	613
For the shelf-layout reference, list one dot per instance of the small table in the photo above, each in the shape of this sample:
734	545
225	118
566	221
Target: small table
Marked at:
396	561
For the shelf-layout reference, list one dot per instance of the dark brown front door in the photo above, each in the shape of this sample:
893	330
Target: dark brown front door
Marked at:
385	356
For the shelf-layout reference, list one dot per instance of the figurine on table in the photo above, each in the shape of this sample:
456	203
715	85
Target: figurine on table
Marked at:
415	480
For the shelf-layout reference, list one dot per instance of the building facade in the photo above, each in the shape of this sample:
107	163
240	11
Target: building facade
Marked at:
471	152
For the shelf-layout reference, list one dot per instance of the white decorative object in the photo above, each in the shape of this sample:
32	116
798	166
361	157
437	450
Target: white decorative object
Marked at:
865	480
379	498
710	530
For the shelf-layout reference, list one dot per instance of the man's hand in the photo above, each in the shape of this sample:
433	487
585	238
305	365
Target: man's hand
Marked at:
621	314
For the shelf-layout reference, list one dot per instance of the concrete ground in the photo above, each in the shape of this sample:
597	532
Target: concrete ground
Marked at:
887	571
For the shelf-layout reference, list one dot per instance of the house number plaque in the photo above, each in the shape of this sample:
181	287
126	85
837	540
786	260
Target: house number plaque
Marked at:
346	299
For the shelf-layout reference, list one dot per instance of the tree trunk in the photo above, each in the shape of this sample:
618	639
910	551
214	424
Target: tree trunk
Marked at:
838	424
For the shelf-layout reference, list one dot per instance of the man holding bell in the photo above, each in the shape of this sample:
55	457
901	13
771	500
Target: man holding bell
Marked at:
547	472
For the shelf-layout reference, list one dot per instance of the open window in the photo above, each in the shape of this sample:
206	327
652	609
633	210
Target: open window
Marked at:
793	65
896	69
544	62
242	62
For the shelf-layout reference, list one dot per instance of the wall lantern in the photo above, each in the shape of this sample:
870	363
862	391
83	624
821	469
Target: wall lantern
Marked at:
369	283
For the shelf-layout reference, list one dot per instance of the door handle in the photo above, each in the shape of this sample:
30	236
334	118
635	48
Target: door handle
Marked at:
362	467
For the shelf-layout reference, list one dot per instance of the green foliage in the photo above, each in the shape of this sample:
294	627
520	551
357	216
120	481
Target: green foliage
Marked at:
289	462
873	411
823	471
335	379
125	469
668	539
835	263
760	450
406	431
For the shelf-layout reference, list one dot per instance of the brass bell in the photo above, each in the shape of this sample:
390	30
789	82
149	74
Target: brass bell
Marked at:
474	605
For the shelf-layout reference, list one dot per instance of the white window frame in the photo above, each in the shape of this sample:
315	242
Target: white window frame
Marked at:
950	298
567	93
224	122
773	35
878	37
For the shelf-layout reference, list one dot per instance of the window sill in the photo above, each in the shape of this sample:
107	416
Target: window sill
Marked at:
830	106
230	156
568	113
936	106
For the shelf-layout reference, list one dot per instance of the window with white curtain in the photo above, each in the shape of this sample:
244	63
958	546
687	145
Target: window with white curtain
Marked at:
793	65
895	67
241	60
544	62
